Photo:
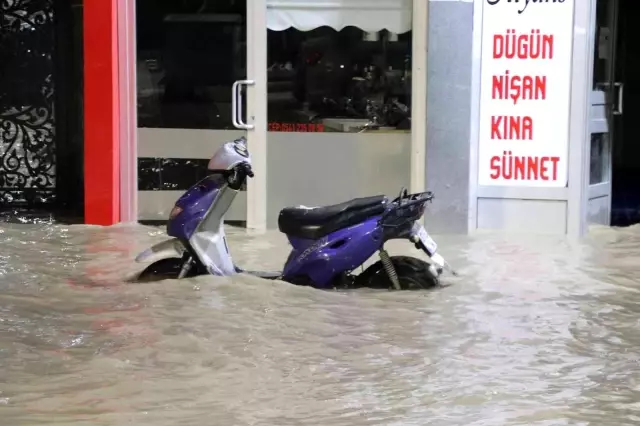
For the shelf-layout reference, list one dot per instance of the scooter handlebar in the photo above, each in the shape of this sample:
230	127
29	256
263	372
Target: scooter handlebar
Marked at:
239	175
247	169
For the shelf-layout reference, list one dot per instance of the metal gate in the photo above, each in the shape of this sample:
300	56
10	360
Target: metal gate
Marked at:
27	119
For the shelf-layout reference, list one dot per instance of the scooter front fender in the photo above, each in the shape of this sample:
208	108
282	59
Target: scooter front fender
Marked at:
164	250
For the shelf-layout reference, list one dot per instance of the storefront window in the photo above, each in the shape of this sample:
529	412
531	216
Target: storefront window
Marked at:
338	81
189	54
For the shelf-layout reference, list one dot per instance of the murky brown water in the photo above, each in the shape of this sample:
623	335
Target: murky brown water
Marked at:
536	331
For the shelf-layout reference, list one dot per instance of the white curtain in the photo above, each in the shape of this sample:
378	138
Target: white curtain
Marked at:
368	15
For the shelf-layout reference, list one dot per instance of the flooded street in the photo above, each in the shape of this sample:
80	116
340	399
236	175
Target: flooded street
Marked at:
535	331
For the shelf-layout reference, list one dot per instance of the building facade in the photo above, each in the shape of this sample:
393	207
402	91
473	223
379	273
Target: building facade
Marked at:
489	104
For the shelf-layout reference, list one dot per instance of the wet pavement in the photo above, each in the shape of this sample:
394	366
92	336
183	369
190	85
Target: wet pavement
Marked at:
534	331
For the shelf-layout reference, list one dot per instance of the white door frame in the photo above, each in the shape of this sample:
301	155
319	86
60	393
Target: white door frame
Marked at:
257	113
128	111
419	93
579	135
602	117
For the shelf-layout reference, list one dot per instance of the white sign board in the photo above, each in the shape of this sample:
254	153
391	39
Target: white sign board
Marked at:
525	92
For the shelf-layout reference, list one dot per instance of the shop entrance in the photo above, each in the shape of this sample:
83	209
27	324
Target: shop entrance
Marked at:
614	178
40	117
304	79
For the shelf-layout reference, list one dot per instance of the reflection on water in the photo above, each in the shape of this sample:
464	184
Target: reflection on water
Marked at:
535	331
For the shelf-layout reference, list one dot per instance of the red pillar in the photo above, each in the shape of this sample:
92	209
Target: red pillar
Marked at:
101	111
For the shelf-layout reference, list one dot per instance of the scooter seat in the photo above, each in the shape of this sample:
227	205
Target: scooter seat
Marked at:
314	223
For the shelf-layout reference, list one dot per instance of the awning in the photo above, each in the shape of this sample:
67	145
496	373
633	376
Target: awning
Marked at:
368	15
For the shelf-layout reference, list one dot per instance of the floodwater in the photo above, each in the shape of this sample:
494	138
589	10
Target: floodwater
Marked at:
534	331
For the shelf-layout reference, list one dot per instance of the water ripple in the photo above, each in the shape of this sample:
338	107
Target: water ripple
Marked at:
535	331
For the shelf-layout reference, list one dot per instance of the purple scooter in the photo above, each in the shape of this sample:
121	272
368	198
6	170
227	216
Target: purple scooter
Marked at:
329	242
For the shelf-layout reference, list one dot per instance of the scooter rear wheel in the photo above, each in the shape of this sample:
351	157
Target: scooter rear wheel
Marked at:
413	274
163	269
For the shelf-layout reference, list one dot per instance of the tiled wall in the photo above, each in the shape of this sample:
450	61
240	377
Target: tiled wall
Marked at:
169	174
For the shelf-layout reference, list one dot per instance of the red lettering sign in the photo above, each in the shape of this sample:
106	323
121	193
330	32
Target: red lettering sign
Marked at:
505	127
532	45
516	87
294	127
512	167
525	83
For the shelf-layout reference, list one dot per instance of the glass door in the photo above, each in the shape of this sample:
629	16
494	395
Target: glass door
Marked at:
338	102
606	107
191	84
